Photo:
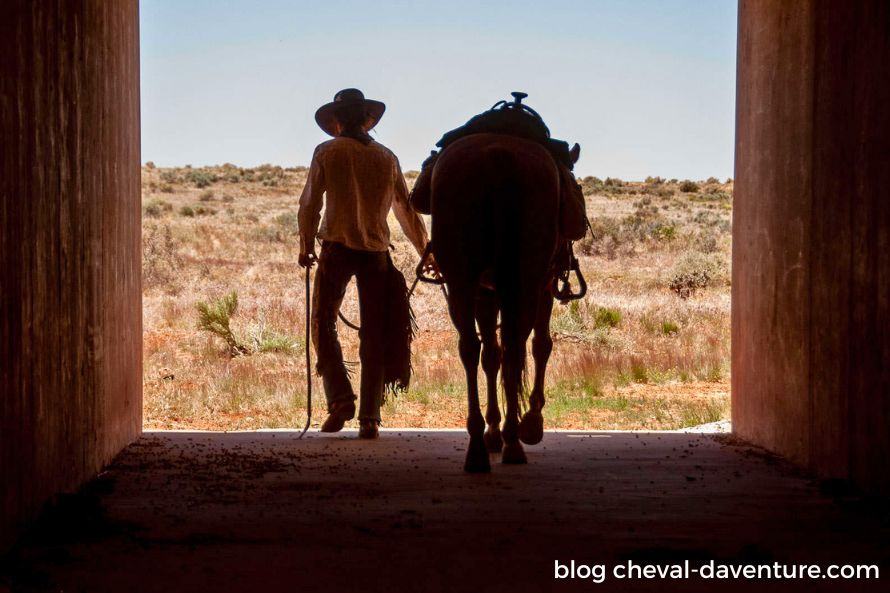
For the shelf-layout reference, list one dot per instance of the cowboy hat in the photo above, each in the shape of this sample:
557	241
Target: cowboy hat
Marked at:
326	116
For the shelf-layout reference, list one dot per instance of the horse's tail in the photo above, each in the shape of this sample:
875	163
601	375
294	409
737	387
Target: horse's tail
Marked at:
504	213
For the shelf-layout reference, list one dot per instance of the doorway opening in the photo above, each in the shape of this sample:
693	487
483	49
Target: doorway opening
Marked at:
224	334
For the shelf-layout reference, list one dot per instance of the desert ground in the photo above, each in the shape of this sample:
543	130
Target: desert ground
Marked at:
223	301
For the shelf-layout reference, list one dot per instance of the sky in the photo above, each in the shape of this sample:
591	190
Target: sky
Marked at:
645	87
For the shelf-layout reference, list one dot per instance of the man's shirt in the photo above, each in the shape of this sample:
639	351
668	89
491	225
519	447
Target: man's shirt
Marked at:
362	183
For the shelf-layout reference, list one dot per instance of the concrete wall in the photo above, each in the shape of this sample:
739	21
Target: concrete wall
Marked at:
70	272
811	235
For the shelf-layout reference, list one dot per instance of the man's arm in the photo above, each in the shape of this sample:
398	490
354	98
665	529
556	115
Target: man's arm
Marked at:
409	219
311	201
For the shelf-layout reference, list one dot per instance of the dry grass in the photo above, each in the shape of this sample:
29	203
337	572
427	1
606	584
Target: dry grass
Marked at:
632	354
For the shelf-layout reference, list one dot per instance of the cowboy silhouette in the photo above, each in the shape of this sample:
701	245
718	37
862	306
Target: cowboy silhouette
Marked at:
359	180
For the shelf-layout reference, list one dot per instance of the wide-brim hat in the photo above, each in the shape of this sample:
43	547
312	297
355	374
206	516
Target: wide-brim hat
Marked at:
326	116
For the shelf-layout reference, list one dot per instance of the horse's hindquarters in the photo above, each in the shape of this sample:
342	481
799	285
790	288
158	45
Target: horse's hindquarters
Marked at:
495	208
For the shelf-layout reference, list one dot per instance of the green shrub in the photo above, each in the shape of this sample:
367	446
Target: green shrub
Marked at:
689	186
686	284
288	223
591	185
606	317
695	271
275	342
187	211
216	316
201	177
152	209
669	328
169	176
706	242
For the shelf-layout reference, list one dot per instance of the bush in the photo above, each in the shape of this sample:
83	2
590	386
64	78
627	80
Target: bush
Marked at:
713	195
227	198
267	234
591	185
686	284
149	165
204	211
669	328
690	187
201	177
607	317
169	176
152	209
215	317
706	242
288	223
648	223
606	236
160	255
187	211
206	196
695	271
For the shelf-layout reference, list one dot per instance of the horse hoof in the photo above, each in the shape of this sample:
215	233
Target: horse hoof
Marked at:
493	441
513	454
531	428
477	458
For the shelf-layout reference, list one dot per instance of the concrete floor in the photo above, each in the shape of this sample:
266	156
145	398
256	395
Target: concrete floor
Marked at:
264	511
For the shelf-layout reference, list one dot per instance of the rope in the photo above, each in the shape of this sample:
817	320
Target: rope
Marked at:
418	277
308	355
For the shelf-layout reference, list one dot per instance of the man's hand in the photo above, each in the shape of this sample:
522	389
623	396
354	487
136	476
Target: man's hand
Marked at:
307	260
431	268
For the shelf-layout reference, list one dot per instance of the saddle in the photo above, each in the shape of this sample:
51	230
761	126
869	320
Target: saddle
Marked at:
515	119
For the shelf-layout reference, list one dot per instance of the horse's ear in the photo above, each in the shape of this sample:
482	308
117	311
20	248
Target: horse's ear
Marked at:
575	152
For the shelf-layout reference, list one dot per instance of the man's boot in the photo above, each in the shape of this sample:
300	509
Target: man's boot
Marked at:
339	413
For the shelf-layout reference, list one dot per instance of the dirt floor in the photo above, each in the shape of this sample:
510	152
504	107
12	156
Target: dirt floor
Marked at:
262	511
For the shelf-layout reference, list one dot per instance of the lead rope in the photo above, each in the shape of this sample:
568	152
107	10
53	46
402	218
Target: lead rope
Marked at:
419	276
308	355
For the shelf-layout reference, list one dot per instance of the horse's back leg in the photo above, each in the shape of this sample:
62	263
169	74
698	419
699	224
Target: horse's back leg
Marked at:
461	306
531	427
517	319
487	317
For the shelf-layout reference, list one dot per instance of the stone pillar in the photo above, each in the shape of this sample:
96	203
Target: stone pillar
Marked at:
70	271
811	235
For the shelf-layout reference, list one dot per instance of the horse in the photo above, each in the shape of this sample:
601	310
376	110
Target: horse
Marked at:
494	202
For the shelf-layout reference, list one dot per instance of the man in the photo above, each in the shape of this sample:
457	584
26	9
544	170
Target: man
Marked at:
362	180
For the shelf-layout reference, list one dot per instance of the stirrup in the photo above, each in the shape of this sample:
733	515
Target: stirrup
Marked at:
563	292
